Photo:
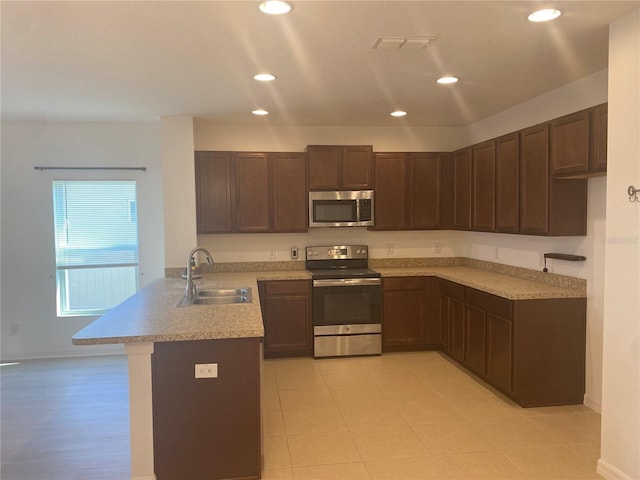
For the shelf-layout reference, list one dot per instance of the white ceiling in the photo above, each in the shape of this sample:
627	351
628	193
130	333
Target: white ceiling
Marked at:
133	61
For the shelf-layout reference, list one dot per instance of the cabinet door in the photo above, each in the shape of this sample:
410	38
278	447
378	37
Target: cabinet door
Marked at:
425	191
570	143
484	191
462	189
499	352
325	165
599	122
214	200
447	192
444	319
289	192
404	311
456	339
391	191
287	318
357	168
475	339
507	183
252	192
534	180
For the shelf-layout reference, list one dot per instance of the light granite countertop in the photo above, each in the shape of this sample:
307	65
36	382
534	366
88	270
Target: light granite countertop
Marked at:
507	286
151	314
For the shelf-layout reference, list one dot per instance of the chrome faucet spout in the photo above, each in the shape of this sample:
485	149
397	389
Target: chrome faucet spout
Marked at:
191	287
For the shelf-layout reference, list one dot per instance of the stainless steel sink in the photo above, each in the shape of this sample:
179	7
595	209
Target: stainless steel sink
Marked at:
218	296
222	300
225	292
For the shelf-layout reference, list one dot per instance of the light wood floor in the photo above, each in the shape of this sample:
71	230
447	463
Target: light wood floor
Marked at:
65	419
407	416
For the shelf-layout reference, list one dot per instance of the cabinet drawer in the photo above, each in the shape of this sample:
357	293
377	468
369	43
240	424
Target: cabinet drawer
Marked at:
287	287
499	306
451	289
403	283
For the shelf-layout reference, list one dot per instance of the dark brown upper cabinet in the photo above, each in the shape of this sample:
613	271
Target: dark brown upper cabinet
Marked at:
339	167
534	180
548	206
289	187
214	192
407	191
484	187
462	189
599	123
507	183
578	143
391	191
251	192
425	191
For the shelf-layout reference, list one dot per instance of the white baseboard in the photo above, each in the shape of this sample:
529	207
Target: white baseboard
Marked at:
593	404
610	472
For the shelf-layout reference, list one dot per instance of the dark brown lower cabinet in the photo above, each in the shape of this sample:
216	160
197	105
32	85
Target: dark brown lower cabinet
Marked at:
286	313
531	350
475	345
410	313
451	302
499	352
207	428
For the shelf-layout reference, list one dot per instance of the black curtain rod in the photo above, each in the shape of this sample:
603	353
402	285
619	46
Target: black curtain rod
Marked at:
142	169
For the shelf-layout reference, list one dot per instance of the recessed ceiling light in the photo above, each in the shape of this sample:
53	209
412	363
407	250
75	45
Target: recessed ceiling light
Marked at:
275	7
260	111
544	15
398	113
448	79
264	77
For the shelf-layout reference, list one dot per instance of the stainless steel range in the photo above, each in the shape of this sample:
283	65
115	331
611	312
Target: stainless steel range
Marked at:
346	301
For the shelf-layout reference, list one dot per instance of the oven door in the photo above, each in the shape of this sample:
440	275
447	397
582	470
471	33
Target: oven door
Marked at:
346	301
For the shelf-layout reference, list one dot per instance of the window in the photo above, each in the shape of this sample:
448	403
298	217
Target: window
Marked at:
96	240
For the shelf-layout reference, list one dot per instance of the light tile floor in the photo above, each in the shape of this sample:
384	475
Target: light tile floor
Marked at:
413	416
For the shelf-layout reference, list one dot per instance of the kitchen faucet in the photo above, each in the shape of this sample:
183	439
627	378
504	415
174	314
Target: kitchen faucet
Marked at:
191	287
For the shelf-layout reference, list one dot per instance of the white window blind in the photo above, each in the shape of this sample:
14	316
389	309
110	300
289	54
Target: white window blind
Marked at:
96	242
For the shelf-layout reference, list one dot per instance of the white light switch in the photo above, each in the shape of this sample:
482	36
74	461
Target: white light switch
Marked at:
206	370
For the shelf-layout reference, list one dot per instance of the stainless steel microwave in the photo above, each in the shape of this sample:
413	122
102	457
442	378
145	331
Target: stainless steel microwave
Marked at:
341	208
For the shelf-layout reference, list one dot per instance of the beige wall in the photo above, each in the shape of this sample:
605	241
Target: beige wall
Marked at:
179	195
620	454
28	256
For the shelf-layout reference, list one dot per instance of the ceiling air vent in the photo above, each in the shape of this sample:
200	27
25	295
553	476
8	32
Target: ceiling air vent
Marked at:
402	43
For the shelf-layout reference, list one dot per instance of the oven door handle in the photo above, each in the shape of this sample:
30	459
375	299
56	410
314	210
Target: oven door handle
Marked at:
346	282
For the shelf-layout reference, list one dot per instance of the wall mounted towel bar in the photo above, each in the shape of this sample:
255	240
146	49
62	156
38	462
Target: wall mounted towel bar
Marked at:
562	256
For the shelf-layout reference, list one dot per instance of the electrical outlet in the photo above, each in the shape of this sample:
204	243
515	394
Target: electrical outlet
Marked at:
14	329
294	253
389	248
438	248
497	254
273	254
206	370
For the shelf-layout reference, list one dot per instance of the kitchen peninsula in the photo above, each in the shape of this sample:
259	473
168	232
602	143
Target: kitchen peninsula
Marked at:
179	423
